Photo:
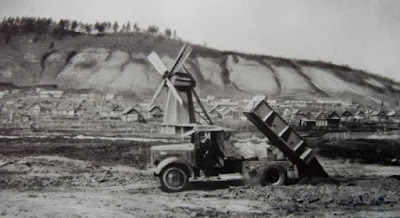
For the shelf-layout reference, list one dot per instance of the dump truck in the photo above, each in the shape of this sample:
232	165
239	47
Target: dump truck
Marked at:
211	154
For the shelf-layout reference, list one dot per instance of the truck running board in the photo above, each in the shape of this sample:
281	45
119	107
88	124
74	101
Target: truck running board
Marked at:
283	137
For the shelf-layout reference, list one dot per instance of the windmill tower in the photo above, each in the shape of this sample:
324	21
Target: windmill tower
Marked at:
179	110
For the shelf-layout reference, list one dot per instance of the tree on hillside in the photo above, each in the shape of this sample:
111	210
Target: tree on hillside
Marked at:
136	27
152	29
107	26
115	27
43	26
100	27
60	29
74	25
28	25
168	32
63	24
88	28
122	29
128	27
18	20
9	28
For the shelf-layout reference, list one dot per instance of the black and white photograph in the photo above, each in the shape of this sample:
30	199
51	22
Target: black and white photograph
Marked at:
199	108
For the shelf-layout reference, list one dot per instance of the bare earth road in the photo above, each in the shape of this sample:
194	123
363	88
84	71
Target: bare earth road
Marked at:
56	184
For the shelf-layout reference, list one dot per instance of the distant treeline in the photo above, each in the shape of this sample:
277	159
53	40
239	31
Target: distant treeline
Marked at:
44	27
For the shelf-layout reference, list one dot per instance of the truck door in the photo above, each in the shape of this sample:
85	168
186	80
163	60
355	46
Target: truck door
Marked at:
207	150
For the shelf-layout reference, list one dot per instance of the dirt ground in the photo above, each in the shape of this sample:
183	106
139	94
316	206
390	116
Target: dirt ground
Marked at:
101	178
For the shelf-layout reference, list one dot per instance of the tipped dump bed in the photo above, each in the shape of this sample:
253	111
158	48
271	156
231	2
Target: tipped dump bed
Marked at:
283	136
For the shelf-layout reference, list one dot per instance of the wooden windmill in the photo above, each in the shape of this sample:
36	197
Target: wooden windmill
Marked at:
179	110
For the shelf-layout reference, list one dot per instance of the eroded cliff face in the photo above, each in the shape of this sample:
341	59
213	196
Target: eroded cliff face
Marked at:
110	63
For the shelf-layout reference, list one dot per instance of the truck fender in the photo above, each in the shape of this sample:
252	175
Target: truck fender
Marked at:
172	160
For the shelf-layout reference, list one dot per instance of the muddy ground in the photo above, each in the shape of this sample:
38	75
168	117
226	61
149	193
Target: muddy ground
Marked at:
58	177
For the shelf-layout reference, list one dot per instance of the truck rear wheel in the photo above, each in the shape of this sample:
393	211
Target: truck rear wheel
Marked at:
173	179
273	174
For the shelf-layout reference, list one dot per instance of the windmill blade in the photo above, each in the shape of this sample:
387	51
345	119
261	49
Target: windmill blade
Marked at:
174	91
183	55
158	91
156	61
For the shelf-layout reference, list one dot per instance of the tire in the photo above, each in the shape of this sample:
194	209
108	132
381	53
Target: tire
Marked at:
174	179
273	174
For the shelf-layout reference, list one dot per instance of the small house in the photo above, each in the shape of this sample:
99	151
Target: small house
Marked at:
116	111
393	116
156	112
347	116
296	115
220	111
368	114
321	120
132	115
214	113
378	116
308	123
360	116
228	113
333	119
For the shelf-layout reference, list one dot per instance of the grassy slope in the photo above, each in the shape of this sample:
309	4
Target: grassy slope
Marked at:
41	62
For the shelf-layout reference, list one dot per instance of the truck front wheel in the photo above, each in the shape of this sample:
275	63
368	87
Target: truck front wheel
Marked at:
173	179
273	174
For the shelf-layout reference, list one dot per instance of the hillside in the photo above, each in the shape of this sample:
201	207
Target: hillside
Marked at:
117	63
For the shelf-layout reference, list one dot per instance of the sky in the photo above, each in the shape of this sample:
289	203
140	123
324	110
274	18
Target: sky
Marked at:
364	34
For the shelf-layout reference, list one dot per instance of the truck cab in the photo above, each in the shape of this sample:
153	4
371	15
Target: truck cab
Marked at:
209	153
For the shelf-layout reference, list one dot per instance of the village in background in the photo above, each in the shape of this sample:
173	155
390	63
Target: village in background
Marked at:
47	109
60	54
